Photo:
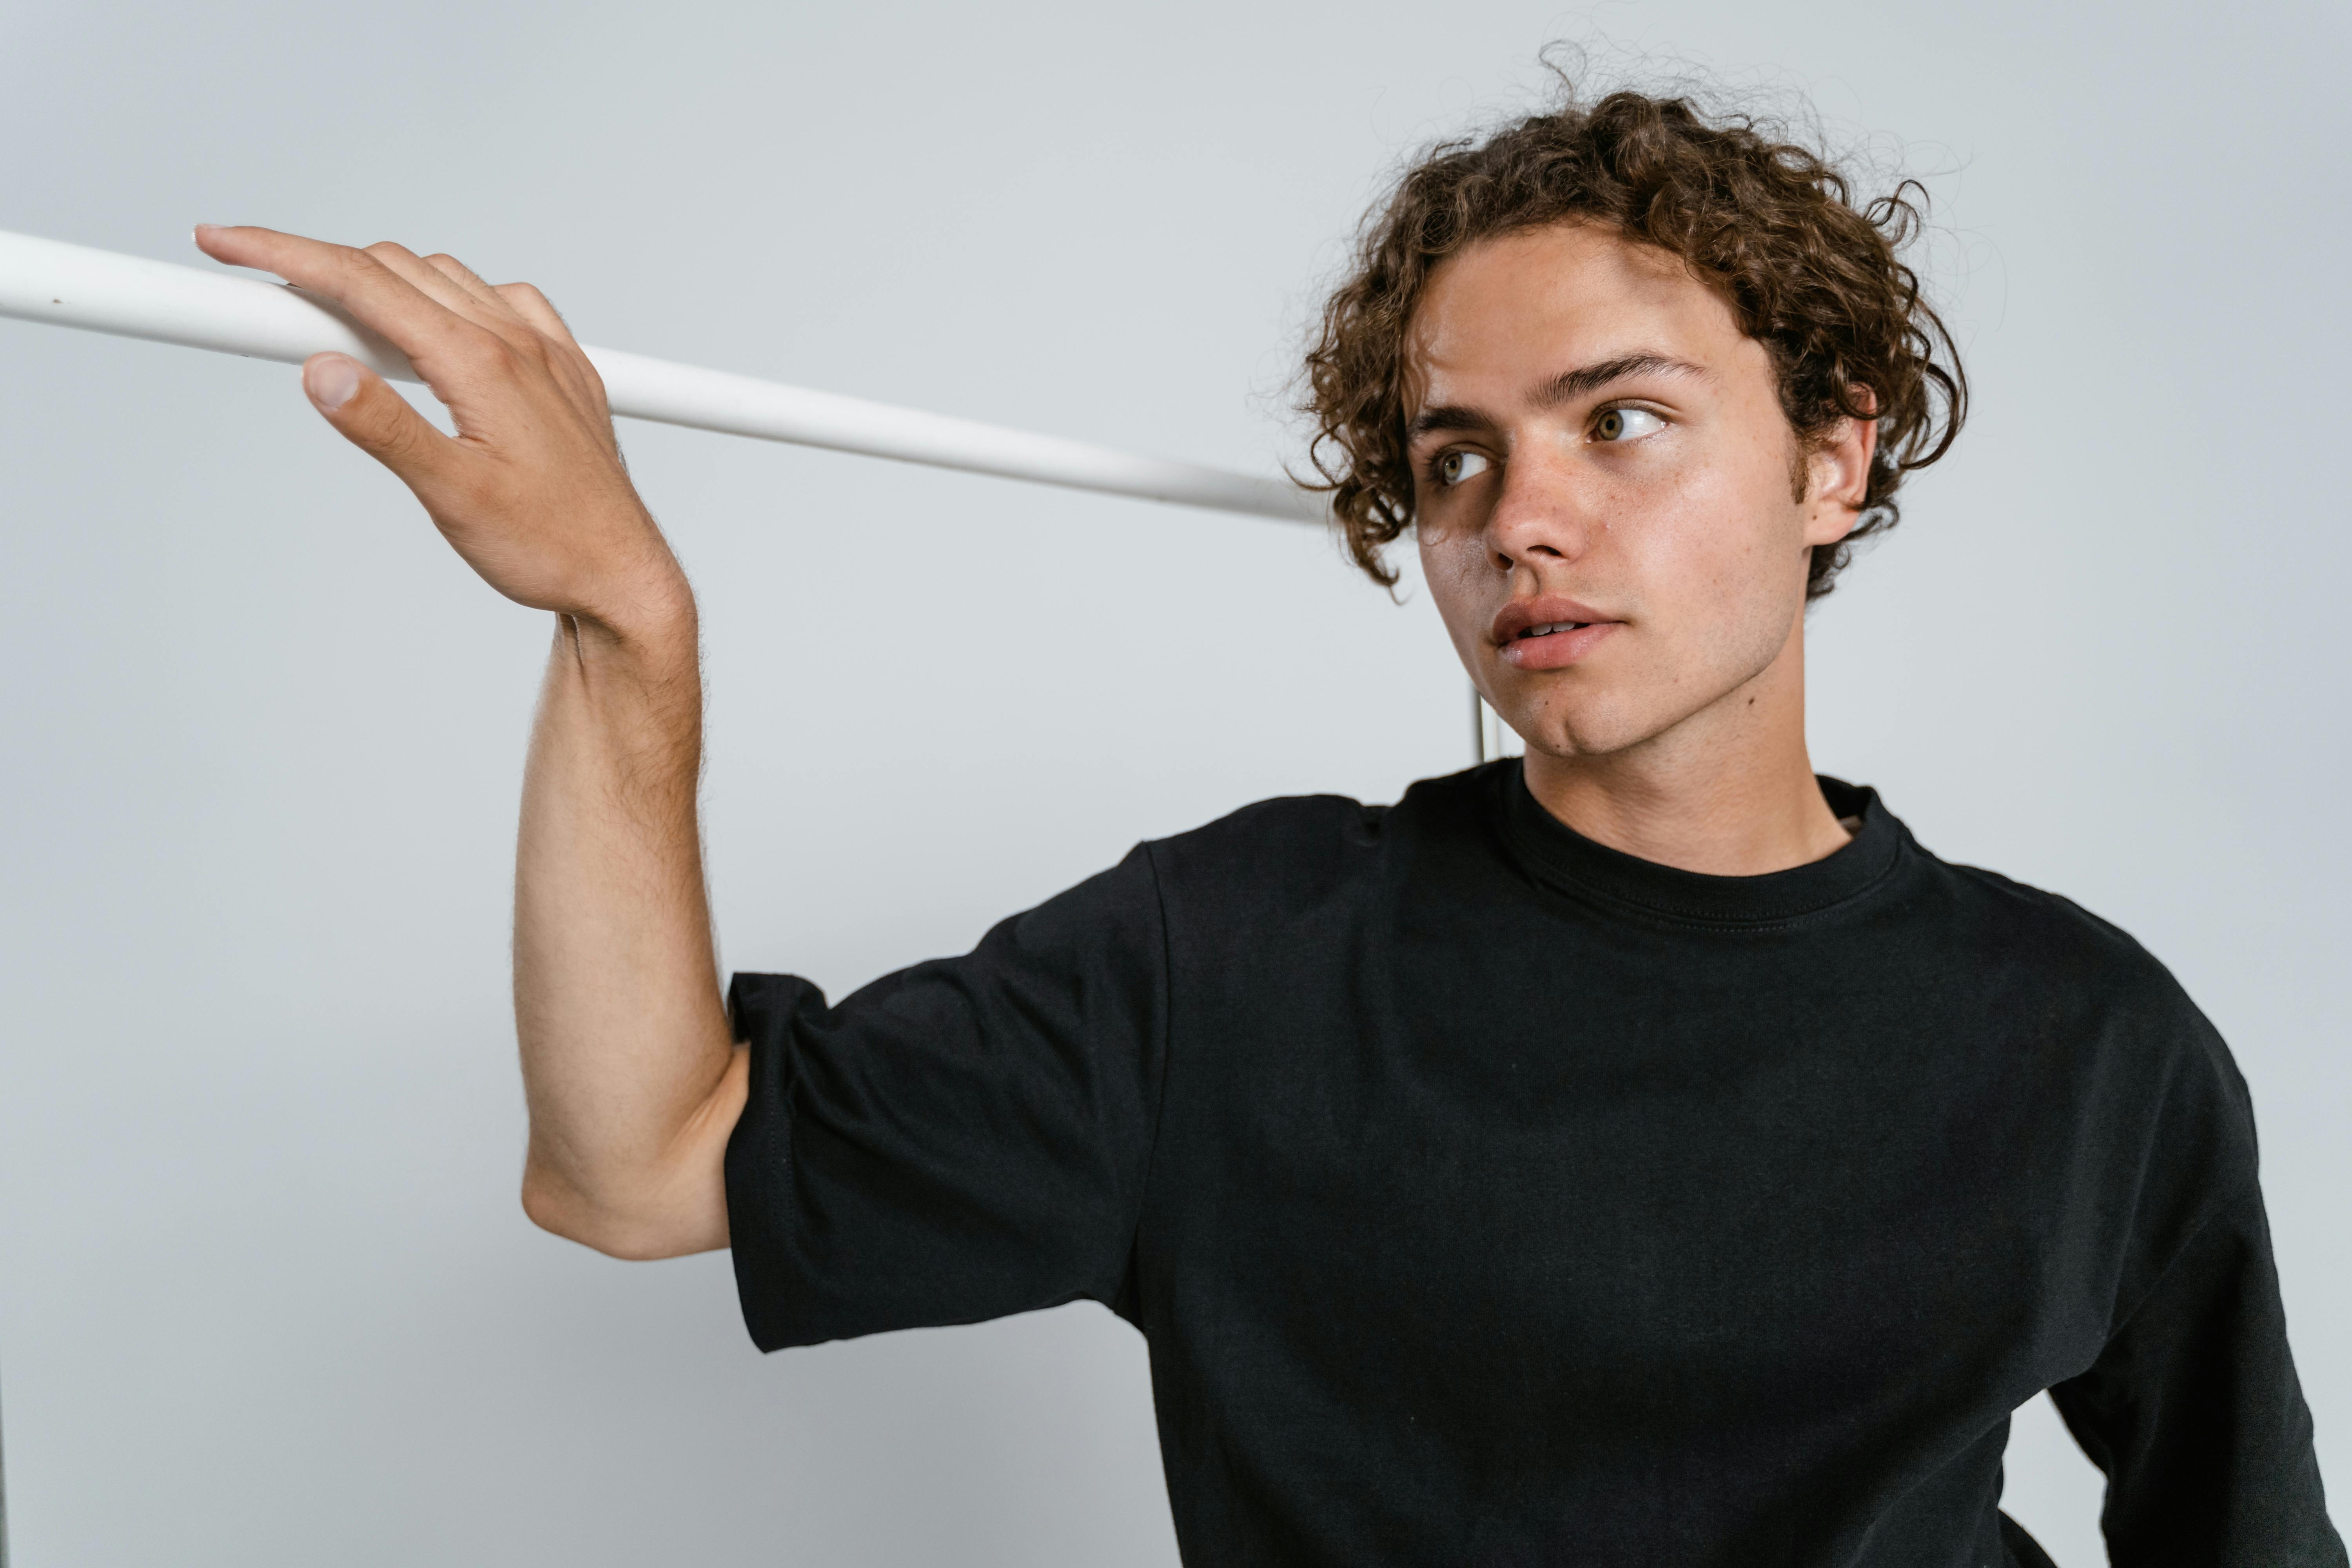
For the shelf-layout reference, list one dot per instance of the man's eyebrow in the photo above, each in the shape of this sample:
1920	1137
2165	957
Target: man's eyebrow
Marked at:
1565	387
1447	416
1587	379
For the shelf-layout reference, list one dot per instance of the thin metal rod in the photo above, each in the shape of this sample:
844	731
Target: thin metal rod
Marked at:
131	296
4	1505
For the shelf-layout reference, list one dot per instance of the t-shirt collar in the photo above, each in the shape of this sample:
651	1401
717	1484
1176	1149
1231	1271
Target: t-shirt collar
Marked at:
1557	854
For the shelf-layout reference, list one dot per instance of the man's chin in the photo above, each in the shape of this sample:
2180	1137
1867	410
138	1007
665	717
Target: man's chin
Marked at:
1590	726
1585	738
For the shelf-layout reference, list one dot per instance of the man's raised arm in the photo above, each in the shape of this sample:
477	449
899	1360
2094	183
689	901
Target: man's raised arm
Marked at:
631	1081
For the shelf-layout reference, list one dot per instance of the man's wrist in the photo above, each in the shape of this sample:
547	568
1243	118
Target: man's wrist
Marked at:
651	622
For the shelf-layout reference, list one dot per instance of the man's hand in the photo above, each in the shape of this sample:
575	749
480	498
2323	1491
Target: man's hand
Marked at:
633	1083
532	490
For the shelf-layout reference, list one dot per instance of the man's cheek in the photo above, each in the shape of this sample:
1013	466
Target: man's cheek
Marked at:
1454	581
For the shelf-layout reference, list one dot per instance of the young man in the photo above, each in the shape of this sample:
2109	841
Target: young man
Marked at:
1645	1153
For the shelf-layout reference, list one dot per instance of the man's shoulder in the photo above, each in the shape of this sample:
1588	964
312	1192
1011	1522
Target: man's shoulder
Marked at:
2099	1010
1307	845
1309	825
1269	844
2041	950
2046	930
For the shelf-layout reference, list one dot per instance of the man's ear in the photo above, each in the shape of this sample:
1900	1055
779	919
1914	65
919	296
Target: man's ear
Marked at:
1837	474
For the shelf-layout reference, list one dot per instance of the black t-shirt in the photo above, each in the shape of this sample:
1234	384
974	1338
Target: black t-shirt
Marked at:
1490	1196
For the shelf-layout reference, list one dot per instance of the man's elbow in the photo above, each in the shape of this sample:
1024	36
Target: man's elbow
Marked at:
637	1233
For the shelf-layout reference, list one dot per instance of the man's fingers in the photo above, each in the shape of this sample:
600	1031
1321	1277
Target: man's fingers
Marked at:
435	337
473	346
525	301
526	307
240	244
446	286
378	421
578	371
522	314
468	280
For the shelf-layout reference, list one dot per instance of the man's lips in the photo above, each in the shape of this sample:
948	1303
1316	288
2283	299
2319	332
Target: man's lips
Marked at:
1545	634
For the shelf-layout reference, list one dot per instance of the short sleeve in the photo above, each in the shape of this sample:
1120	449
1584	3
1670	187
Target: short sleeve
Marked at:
962	1140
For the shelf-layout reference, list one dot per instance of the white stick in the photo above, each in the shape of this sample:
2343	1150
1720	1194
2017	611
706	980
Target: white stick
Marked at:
74	286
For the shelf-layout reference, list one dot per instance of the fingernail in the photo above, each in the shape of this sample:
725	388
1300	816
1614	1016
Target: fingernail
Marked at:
202	229
331	379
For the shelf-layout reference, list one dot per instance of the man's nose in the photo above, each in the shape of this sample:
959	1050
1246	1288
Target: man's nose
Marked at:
1540	516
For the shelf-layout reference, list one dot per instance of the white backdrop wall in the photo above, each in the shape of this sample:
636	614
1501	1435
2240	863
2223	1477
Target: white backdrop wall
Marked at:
265	1294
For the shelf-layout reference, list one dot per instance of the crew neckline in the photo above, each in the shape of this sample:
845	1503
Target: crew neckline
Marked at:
1560	854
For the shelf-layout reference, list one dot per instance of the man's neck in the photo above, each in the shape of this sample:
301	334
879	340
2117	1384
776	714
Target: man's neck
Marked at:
1730	790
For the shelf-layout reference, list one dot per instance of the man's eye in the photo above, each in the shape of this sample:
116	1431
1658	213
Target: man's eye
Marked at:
1626	425
1455	466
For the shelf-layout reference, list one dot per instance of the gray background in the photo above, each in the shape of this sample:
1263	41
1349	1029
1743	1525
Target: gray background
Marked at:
265	1294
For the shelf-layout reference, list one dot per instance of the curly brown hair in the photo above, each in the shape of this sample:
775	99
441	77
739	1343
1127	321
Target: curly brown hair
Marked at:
1766	220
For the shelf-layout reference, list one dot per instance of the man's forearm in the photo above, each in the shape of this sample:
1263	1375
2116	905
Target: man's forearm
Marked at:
631	1081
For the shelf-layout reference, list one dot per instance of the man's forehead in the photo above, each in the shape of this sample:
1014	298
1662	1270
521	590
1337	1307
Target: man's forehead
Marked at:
1527	307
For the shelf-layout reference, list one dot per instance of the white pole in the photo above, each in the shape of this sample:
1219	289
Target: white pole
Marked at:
131	296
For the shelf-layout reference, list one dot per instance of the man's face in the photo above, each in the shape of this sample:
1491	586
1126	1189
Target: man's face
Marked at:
1604	488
